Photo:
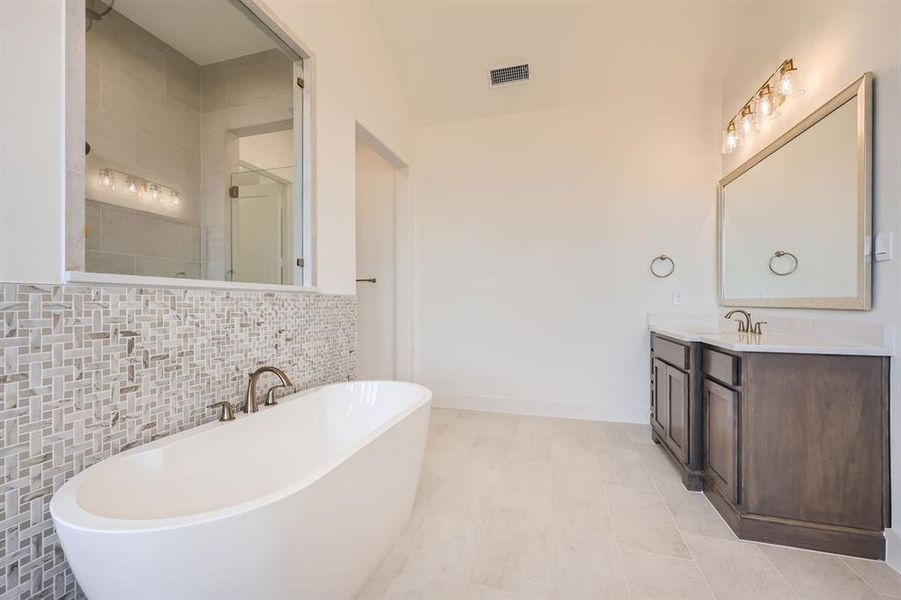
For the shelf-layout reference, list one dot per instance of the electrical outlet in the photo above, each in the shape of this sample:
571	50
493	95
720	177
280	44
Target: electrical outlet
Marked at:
678	298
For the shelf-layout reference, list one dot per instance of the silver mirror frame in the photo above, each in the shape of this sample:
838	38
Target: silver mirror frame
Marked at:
862	89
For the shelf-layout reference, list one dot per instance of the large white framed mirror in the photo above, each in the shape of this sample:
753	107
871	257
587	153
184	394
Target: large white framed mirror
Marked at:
795	220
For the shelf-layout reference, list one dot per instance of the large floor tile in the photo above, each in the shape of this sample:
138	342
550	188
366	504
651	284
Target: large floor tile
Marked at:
816	576
577	475
693	512
512	550
642	522
658	464
580	537
566	584
877	575
638	434
738	570
657	577
623	467
526	508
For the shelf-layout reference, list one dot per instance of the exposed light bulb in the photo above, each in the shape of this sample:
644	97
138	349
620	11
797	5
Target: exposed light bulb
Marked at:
765	103
154	191
731	138
788	79
106	178
131	186
749	124
174	198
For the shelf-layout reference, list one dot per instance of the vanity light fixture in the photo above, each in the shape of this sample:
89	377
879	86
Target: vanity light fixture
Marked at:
762	105
145	189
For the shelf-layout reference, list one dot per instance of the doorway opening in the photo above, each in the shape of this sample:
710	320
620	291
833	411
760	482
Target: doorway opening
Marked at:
384	262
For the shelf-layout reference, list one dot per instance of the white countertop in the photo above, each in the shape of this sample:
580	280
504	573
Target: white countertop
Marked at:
766	342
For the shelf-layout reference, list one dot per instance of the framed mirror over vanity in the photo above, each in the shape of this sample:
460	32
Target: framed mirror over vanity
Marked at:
785	426
795	220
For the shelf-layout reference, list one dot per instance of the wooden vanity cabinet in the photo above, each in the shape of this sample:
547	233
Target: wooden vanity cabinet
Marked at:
675	405
791	449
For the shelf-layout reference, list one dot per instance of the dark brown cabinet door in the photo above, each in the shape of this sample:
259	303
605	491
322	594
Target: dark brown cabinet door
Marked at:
721	438
677	412
659	416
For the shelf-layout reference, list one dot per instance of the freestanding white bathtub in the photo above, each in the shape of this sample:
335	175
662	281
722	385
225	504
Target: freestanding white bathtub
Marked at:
299	501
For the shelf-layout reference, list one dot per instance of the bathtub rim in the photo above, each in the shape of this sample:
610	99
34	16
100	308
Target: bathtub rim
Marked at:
65	510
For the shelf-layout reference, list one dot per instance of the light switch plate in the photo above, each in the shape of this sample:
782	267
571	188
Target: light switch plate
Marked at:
885	246
678	298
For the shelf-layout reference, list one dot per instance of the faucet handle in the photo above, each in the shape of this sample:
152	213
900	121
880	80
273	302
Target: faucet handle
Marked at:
226	412
742	328
270	395
757	329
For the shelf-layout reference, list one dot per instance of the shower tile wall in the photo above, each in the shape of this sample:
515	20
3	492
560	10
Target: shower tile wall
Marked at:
142	115
87	372
133	242
251	94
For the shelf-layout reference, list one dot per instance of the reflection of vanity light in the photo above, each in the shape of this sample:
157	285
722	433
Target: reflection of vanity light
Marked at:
145	189
107	179
762	105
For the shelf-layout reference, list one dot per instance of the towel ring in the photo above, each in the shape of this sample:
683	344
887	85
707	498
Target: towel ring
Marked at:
662	258
780	254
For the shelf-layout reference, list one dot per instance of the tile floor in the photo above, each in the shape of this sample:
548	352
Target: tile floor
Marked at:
517	508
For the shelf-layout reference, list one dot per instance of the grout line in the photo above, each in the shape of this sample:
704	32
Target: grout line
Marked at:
850	567
687	547
781	575
619	548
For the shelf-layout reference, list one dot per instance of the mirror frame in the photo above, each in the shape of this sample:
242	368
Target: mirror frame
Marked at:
862	89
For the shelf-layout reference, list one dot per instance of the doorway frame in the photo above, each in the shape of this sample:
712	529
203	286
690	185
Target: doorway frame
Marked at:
404	258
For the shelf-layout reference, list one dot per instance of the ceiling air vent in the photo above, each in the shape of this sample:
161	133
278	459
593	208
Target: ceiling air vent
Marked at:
507	75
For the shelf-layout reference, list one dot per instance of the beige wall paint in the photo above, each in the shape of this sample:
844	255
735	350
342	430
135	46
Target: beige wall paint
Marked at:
833	44
534	232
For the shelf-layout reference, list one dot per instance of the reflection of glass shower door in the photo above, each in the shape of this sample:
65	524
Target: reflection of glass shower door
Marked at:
261	227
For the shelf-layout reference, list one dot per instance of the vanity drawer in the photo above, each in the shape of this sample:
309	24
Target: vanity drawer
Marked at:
674	353
723	367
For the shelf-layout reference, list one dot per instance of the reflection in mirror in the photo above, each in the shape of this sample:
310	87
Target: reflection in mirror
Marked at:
794	220
193	119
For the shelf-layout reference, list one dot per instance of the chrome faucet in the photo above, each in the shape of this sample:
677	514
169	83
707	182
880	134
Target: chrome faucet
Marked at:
250	401
743	326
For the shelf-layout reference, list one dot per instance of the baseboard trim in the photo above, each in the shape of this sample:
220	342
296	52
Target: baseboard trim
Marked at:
544	408
893	548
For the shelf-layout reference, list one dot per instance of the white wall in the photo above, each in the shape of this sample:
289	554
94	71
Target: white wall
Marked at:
534	232
32	140
353	81
832	45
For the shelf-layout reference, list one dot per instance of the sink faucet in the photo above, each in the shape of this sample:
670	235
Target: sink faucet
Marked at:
743	326
250	403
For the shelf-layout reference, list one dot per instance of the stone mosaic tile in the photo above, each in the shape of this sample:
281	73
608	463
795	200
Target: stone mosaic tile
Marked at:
87	372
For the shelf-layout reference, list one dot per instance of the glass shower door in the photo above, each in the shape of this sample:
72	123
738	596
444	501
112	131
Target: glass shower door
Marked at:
262	227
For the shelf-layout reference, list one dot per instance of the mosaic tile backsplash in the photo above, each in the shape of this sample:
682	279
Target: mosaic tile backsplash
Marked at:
87	372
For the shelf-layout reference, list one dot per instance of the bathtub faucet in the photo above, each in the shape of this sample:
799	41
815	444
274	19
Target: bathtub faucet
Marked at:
250	403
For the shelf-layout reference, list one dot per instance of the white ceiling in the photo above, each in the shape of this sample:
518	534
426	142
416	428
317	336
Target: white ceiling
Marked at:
206	31
579	51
